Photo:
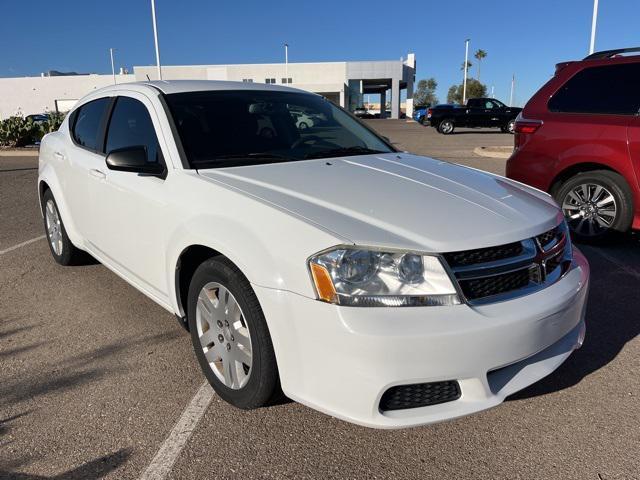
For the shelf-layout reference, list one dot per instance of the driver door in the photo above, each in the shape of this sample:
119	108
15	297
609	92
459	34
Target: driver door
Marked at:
127	225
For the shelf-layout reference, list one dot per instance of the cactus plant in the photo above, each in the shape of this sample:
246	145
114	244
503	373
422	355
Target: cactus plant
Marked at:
53	122
17	131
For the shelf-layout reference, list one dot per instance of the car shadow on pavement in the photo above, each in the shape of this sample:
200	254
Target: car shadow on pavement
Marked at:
612	318
92	470
76	370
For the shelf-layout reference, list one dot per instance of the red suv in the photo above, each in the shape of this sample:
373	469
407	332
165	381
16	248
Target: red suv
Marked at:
578	138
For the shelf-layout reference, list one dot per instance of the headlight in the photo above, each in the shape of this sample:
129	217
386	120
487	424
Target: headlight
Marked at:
372	278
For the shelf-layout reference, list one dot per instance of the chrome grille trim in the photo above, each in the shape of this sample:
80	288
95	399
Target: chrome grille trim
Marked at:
538	258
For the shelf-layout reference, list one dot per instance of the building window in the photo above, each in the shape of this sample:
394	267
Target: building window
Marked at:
247	80
286	80
270	80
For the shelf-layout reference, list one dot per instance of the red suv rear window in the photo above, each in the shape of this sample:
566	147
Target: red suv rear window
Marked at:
607	89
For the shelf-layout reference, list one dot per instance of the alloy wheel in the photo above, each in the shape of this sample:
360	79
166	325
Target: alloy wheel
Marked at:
590	209
447	127
54	227
224	335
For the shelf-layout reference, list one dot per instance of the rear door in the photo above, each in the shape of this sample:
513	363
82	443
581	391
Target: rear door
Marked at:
476	113
128	227
85	158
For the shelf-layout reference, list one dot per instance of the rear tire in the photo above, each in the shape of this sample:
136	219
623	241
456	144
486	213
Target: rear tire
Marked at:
597	204
510	126
446	126
230	335
62	250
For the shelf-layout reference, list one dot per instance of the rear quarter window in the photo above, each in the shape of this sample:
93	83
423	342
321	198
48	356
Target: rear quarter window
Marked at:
608	89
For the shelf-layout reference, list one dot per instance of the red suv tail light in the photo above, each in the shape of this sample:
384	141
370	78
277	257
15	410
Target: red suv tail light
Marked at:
527	126
523	128
429	112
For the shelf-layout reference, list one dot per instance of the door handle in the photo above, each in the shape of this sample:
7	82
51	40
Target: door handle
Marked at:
94	172
58	155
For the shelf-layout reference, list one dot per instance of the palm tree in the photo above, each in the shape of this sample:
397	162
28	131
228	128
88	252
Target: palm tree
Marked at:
480	54
469	64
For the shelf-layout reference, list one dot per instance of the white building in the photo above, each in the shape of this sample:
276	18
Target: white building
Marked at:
344	83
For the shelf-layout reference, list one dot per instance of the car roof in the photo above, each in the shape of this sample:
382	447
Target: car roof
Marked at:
181	86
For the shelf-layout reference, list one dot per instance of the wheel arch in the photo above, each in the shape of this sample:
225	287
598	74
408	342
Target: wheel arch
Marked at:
43	186
573	170
188	261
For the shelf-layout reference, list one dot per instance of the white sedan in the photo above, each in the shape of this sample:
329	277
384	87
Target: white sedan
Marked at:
383	288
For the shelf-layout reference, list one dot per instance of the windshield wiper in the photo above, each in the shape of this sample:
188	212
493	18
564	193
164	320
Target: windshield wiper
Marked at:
342	152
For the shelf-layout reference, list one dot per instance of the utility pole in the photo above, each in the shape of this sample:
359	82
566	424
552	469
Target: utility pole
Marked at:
594	19
113	69
466	63
286	62
513	86
155	37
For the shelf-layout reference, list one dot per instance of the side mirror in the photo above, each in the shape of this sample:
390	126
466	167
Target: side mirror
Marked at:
133	159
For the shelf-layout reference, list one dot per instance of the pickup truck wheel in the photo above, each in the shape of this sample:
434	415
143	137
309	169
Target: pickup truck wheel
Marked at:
446	126
596	205
62	250
510	126
230	335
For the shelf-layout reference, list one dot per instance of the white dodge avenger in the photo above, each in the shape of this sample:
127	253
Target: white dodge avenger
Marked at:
384	288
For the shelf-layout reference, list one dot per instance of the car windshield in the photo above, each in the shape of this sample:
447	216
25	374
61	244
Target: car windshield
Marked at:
249	127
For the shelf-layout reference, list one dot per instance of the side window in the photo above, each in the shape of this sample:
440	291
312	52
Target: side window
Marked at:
131	126
608	89
88	119
489	104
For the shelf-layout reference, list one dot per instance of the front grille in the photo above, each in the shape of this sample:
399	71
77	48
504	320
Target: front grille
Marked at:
496	284
548	239
482	255
419	395
505	271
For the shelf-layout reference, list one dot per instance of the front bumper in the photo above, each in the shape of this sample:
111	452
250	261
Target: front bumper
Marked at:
340	360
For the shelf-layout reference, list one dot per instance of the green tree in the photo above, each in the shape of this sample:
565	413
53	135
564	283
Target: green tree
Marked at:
469	65
425	94
480	54
475	89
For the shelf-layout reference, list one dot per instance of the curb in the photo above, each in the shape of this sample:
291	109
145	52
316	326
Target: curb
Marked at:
18	152
494	152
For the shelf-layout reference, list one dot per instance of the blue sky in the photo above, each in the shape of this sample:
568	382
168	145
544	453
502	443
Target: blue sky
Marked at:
525	38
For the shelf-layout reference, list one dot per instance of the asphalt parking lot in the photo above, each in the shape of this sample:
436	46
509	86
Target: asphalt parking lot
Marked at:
94	376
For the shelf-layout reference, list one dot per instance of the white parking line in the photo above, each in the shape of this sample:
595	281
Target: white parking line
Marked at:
166	456
15	247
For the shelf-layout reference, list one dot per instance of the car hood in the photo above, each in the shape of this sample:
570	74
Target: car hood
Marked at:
398	200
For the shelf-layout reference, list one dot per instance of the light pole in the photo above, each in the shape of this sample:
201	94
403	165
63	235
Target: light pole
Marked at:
286	62
594	19
113	69
513	86
155	37
466	62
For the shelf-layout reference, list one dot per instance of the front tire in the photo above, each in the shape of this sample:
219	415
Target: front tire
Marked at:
230	335
62	250
596	205
446	126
